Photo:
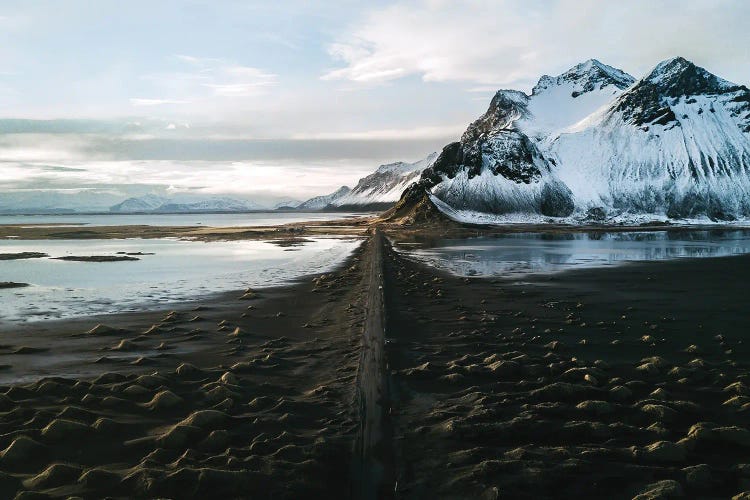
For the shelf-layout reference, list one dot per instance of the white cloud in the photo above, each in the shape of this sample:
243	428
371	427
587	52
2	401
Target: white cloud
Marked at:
208	78
43	147
135	101
513	42
240	81
238	178
198	61
388	134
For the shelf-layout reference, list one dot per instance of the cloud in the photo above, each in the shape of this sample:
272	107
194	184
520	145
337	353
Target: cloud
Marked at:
135	101
388	134
14	22
513	42
198	61
44	147
246	179
268	168
207	78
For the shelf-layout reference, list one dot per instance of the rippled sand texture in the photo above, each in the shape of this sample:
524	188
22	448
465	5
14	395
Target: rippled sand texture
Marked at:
593	384
251	396
624	382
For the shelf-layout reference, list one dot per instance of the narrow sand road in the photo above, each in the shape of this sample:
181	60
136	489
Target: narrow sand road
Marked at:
374	454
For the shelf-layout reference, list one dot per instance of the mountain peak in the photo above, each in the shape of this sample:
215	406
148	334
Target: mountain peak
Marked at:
592	65
506	107
404	167
678	77
669	68
585	77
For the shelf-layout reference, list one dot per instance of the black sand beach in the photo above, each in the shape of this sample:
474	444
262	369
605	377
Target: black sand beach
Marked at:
248	395
599	383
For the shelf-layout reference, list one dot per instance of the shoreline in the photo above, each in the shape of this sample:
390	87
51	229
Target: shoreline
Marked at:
339	227
233	396
593	382
39	333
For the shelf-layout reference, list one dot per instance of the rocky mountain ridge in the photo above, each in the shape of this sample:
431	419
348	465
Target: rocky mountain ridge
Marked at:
595	142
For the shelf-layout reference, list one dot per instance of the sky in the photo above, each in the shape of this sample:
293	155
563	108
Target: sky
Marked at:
290	99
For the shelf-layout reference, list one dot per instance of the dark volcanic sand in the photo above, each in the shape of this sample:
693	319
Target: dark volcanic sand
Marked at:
261	408
12	284
493	391
96	258
601	383
22	255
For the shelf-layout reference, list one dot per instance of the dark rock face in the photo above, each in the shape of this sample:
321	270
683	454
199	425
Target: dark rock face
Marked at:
448	163
512	155
649	101
741	109
506	107
493	143
596	214
490	143
556	201
697	204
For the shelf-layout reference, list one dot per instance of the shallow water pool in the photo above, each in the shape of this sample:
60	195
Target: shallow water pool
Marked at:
523	254
177	271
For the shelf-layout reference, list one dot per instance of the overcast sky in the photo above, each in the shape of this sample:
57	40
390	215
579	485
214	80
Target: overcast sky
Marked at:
330	88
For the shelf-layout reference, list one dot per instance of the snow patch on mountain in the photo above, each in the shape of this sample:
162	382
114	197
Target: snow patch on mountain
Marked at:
146	203
378	190
288	203
593	140
559	102
321	202
158	204
386	184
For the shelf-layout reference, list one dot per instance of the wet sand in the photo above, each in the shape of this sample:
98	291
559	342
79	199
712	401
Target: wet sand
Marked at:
598	383
249	395
291	231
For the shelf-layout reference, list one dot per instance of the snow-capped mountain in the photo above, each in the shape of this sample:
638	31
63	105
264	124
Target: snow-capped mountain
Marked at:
146	203
383	188
595	141
287	204
158	204
321	202
377	191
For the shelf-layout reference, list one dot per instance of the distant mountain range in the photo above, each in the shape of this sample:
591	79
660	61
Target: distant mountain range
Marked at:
377	191
157	204
595	143
321	202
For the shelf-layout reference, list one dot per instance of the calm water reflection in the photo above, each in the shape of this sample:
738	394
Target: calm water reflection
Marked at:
172	271
532	253
212	220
